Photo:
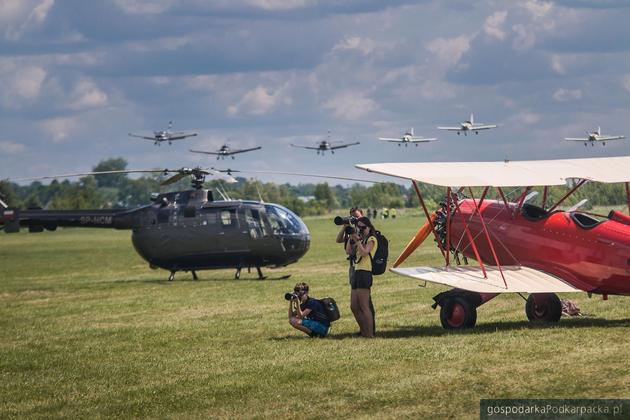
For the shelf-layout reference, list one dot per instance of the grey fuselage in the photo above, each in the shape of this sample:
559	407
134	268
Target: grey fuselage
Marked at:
189	231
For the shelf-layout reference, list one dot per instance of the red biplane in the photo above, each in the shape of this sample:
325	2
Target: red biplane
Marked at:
520	247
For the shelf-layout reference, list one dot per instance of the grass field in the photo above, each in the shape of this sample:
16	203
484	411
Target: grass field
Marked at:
88	330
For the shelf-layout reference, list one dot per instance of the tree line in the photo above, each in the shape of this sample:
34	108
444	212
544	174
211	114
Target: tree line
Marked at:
120	191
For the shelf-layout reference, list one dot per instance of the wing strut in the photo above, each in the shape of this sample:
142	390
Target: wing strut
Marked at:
544	199
471	239
448	224
567	195
485	230
628	196
426	212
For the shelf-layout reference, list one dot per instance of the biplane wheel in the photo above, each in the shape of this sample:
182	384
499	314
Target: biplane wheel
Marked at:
543	307
457	313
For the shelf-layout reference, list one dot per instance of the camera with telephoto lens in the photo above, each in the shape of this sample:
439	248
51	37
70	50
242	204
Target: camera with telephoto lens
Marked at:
291	295
350	220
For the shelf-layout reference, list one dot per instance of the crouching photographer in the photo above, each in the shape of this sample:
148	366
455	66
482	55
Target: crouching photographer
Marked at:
306	314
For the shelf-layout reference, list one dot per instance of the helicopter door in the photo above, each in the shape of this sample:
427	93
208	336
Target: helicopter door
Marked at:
254	227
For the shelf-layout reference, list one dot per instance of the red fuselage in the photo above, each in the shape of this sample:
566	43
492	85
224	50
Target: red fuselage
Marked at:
593	256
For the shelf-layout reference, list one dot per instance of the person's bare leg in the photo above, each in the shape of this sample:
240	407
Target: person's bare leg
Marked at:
297	324
364	304
356	308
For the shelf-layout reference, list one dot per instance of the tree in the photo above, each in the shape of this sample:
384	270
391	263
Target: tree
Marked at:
113	180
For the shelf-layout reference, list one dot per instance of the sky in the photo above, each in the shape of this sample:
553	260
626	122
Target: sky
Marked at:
77	76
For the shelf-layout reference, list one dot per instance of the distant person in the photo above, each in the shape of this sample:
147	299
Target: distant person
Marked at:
306	314
392	213
361	246
385	213
374	213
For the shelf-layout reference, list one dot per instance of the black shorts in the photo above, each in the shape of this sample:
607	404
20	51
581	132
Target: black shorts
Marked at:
362	279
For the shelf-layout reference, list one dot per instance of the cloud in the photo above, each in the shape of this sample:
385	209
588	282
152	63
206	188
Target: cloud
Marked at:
19	84
260	101
36	13
58	129
350	105
364	45
87	95
11	148
537	8
494	25
449	50
564	95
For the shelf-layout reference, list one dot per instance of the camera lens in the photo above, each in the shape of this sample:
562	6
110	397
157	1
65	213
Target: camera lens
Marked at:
288	296
349	230
339	220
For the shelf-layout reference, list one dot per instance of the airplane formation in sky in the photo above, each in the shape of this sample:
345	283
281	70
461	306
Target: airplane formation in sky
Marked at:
327	145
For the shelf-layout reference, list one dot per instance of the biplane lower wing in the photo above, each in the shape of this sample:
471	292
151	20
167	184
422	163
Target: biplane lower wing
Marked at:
518	279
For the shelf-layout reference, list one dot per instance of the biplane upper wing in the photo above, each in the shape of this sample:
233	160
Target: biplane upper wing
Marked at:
518	279
508	173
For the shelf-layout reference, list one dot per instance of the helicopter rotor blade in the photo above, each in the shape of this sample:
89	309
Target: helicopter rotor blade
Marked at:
229	171
130	171
174	178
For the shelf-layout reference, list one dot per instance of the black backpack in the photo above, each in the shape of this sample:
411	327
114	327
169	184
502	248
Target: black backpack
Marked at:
379	260
331	310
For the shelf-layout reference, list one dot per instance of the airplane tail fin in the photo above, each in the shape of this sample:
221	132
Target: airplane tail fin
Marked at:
599	131
472	118
411	131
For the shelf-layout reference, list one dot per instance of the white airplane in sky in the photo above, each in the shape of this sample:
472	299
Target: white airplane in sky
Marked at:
159	137
225	150
469	125
594	137
407	138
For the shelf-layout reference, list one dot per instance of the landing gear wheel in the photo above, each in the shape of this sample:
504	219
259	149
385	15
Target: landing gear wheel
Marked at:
543	307
457	313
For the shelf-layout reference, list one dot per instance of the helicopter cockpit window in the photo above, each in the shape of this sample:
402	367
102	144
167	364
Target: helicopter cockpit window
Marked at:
227	218
284	221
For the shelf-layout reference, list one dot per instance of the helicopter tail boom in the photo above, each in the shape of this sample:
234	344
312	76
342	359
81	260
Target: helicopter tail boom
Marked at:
37	220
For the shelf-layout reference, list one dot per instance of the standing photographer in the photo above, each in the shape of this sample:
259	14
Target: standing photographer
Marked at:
306	314
342	238
361	245
355	214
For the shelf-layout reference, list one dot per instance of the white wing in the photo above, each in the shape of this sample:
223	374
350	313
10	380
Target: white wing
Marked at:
421	139
450	128
518	279
606	138
483	127
576	139
391	139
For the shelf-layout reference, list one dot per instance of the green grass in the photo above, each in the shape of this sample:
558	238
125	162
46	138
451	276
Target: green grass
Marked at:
88	330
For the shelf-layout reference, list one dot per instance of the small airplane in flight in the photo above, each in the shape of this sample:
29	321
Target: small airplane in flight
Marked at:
225	151
408	138
326	145
159	137
594	137
469	125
